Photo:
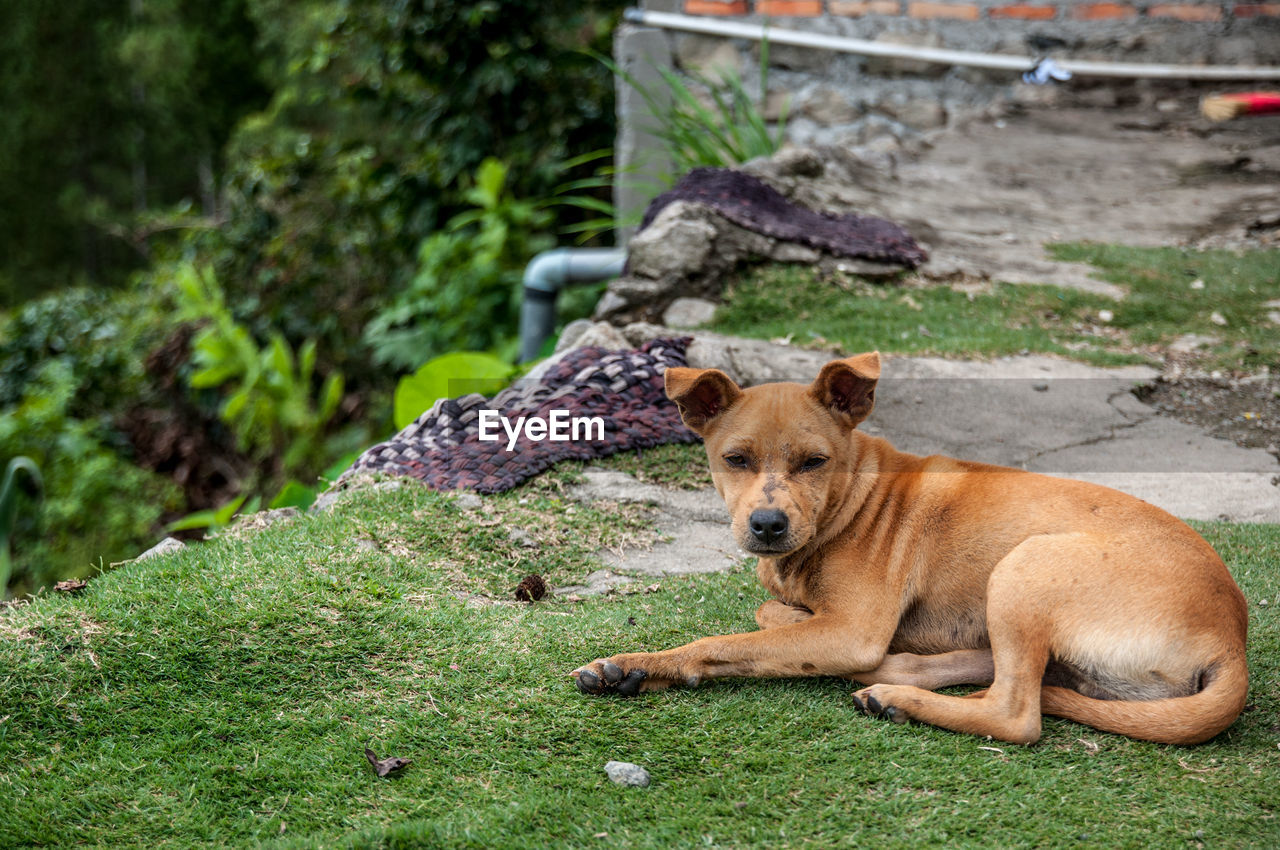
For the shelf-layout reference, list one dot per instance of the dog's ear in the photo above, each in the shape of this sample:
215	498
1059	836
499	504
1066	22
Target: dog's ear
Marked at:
848	387
701	394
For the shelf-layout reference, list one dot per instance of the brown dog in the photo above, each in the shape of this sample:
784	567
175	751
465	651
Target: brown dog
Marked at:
909	574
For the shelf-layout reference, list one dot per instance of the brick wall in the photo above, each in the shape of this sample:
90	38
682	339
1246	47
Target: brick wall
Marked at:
881	104
1085	10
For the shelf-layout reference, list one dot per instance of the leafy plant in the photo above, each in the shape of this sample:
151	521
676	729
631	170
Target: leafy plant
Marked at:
729	131
216	519
447	376
97	506
270	403
465	295
9	508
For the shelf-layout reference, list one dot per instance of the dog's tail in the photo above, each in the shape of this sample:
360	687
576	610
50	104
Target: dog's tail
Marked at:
1191	719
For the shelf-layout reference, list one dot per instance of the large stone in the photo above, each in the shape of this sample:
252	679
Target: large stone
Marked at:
689	313
678	240
828	106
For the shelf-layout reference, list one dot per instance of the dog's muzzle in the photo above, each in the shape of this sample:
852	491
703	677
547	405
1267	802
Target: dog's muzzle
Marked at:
768	526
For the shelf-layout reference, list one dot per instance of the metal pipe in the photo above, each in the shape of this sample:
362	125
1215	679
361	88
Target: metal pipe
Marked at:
967	58
546	275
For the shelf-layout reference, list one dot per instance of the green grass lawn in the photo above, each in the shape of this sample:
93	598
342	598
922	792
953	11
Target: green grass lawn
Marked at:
224	695
1163	302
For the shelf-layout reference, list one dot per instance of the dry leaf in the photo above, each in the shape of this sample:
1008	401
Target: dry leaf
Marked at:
74	585
386	765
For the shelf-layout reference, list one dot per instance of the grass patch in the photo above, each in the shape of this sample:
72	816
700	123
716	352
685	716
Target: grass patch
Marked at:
1008	319
224	695
679	465
1164	301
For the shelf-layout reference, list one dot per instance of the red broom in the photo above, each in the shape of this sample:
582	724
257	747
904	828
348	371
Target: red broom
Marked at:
1224	107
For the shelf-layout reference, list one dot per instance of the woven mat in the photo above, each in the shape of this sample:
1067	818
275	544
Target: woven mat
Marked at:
625	388
751	203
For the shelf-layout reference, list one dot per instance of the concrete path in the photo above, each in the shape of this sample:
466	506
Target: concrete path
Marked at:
1037	413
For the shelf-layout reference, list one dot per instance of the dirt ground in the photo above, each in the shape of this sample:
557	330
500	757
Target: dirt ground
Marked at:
986	197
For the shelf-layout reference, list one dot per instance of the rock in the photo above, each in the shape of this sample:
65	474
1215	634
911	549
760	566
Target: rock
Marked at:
520	537
679	239
468	501
602	335
626	773
610	304
327	500
689	313
638	333
777	102
169	544
711	352
795	162
569	336
894	67
828	106
920	113
707	56
794	252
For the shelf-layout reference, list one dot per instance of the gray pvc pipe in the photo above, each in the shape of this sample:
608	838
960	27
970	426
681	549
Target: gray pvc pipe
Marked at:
546	275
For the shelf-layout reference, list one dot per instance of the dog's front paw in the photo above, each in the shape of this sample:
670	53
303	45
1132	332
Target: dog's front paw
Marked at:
603	676
878	701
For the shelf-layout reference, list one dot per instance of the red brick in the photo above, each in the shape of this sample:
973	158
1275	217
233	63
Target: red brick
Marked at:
789	8
1103	11
715	7
1185	12
1024	11
865	7
956	11
1254	10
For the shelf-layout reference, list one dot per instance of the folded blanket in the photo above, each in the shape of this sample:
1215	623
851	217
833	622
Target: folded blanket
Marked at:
624	388
751	203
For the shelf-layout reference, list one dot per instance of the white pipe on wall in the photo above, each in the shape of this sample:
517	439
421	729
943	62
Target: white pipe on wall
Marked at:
970	59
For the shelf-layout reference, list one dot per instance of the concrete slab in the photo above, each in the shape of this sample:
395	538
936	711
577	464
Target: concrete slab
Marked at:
1038	413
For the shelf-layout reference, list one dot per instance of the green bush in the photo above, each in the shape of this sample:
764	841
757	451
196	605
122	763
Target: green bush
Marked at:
98	336
97	506
380	114
466	293
278	418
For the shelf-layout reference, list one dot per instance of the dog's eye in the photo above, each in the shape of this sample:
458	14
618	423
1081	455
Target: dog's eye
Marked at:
812	463
736	461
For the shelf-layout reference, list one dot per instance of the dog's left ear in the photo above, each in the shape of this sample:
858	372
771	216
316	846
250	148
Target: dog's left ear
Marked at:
701	395
848	387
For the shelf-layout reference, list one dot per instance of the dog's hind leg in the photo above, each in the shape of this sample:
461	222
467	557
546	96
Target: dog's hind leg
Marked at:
930	672
1020	617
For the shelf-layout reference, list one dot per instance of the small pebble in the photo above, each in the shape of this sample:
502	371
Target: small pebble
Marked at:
1217	318
626	773
468	501
520	537
1040	387
1105	315
1197	284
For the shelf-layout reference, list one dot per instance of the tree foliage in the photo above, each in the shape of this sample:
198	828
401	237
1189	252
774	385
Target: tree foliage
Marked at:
381	113
112	117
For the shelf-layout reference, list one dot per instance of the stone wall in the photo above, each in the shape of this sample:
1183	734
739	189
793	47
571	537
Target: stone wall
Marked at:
879	104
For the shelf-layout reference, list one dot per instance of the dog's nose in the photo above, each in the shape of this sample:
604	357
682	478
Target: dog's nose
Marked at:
768	525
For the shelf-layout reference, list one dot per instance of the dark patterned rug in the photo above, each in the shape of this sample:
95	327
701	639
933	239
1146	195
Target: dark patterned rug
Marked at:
624	388
751	203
